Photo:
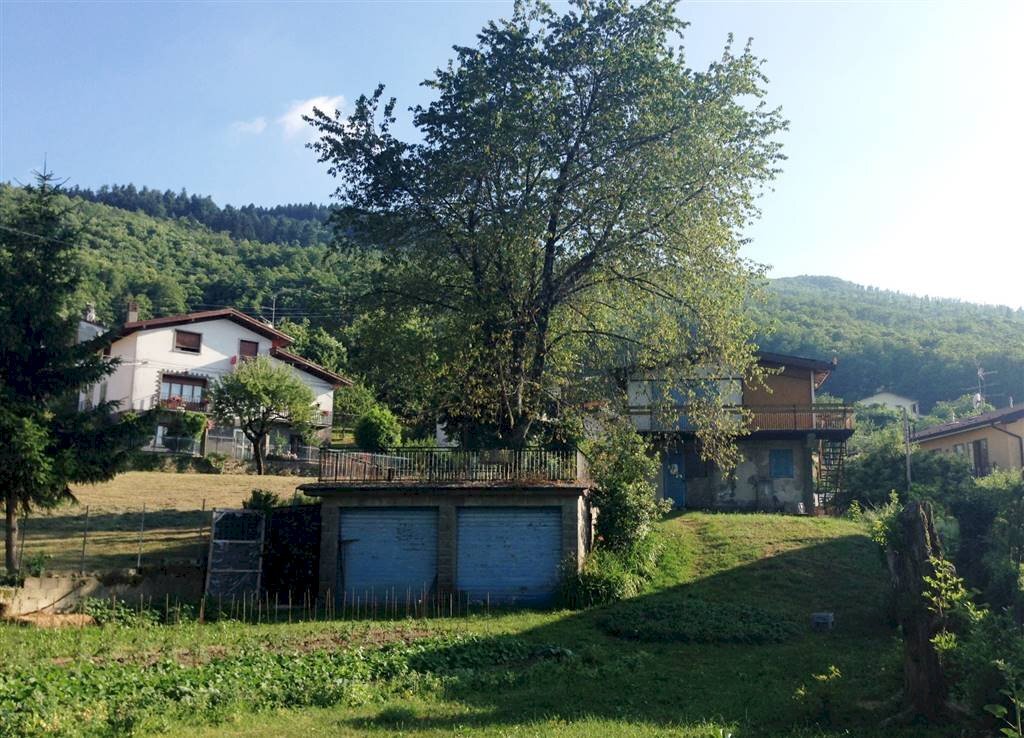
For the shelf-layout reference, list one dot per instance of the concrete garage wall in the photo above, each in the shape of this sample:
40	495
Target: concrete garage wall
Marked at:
571	500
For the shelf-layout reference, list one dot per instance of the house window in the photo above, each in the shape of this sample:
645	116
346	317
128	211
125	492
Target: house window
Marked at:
189	390
187	341
780	463
248	349
958	449
979	457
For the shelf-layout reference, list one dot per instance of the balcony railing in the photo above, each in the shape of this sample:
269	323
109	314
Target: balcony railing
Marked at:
452	465
762	418
175	403
800	417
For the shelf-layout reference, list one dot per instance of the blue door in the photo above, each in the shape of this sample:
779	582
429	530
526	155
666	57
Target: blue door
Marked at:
509	555
387	553
674	478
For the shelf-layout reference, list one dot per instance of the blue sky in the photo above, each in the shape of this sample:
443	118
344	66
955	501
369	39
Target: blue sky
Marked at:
905	153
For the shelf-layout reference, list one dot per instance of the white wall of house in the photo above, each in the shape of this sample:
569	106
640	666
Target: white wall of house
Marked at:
892	400
147	355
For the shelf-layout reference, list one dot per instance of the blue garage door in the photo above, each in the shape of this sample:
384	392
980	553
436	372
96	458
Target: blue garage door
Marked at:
388	552
509	555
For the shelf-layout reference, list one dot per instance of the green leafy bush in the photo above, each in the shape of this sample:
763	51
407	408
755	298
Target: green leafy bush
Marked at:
819	695
608	575
693	620
262	499
378	430
622	466
118	612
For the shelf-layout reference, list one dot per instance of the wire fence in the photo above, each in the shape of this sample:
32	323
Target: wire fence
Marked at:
89	538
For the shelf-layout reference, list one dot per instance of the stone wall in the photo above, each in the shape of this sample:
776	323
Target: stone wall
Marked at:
65	593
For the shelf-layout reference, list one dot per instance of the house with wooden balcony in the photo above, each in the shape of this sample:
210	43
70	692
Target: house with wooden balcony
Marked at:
792	447
171	362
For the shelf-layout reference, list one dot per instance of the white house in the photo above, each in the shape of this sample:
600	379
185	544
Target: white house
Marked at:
172	362
894	401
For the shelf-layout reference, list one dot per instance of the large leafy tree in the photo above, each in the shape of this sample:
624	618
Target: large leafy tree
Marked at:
572	201
46	442
258	395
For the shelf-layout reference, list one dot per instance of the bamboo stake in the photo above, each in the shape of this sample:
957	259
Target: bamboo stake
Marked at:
142	528
85	535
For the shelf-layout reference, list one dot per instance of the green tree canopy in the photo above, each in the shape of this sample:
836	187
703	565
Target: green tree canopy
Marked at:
258	395
45	441
570	203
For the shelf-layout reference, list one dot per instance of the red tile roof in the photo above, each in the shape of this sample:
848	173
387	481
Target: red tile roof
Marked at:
311	367
236	316
278	338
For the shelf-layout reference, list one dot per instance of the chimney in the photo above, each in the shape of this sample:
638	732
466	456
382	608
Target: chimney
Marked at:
133	311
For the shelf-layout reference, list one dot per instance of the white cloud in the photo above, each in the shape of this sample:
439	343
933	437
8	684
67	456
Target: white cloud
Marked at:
292	121
255	126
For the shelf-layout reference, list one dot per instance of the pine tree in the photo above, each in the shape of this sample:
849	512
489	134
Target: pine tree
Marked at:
46	442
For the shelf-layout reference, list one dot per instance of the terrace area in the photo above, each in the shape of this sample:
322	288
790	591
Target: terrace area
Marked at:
453	465
827	420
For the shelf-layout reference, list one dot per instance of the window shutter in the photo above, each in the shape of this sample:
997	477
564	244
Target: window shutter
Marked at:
187	341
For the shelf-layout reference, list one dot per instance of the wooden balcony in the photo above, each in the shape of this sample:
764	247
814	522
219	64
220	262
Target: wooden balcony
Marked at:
828	420
808	418
447	465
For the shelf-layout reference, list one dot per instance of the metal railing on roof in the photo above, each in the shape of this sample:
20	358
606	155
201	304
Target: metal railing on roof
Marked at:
452	465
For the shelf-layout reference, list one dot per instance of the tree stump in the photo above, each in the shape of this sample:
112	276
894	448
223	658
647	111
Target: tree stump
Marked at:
909	556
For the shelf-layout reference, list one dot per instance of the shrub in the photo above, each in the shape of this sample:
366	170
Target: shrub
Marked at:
118	612
262	499
621	466
378	430
604	577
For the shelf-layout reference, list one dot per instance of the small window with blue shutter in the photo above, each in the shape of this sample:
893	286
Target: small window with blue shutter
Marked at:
780	463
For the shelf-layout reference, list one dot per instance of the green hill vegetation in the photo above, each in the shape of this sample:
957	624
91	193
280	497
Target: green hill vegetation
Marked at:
926	348
178	252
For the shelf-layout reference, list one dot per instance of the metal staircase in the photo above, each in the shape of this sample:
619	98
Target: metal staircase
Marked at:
831	460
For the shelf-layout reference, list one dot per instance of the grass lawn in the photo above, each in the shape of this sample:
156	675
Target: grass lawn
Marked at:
512	674
173	522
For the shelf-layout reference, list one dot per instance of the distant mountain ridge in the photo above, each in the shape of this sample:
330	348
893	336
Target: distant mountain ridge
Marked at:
927	348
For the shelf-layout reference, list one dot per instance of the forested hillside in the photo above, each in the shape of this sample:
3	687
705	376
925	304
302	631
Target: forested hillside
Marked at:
303	224
929	349
172	265
154	247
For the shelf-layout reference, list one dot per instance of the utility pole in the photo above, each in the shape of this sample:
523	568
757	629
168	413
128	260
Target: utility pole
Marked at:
906	444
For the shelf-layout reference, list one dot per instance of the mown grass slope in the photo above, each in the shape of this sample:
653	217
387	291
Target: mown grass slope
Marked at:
527	673
176	515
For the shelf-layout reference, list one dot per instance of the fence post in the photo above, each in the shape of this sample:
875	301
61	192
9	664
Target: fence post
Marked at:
85	535
142	528
202	526
21	554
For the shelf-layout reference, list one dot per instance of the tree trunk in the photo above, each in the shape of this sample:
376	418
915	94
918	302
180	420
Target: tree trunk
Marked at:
11	530
925	690
257	456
